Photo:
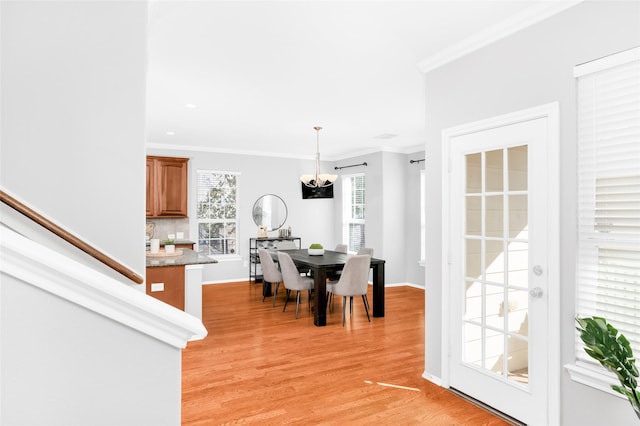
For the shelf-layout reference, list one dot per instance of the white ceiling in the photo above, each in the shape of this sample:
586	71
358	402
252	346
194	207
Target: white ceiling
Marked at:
262	74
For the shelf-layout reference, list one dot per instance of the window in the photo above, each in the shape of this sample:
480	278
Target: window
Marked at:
608	265
216	211
353	203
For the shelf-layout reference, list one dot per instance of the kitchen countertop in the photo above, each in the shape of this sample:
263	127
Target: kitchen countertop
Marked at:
189	257
175	242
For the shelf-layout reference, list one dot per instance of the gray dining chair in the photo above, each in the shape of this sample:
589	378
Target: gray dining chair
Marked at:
334	276
270	274
354	281
365	250
293	280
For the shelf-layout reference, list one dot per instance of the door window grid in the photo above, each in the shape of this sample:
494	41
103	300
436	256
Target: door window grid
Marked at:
495	323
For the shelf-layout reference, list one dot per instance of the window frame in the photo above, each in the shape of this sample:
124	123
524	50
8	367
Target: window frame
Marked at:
584	369
236	222
347	206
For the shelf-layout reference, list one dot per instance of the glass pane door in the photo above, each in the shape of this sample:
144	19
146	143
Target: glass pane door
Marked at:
495	320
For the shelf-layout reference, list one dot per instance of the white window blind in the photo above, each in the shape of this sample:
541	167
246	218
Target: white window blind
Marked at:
216	212
353	205
608	266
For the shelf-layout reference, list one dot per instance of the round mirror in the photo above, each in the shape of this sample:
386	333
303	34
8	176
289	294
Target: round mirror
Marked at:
270	211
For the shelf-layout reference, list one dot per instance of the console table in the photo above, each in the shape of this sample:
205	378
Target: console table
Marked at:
269	243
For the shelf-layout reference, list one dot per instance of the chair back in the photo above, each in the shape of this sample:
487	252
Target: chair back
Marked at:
342	248
269	271
287	245
366	250
355	276
290	274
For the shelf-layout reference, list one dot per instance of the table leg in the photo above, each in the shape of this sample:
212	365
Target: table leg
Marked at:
320	289
378	290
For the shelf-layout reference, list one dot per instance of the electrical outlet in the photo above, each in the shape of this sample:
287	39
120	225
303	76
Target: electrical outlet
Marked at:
157	286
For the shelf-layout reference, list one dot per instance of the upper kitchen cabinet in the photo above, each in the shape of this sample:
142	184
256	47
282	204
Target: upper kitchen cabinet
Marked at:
166	187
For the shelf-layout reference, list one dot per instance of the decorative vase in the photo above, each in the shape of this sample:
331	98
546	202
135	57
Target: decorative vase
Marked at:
315	252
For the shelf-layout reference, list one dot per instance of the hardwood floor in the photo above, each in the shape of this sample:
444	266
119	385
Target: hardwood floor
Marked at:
259	365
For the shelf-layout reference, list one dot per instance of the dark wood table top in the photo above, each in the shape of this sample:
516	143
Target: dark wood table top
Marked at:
329	260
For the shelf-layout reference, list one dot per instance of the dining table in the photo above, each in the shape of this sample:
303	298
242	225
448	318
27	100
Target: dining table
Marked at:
332	261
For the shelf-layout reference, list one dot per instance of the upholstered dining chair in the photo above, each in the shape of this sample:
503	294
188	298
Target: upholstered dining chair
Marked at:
342	248
293	280
354	281
287	245
365	250
270	273
334	275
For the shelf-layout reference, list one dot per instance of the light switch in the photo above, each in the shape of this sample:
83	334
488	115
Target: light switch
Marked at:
157	286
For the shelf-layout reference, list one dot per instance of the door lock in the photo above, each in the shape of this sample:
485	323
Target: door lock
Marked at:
537	270
536	292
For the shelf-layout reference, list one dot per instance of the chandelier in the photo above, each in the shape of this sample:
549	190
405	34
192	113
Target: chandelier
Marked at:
319	180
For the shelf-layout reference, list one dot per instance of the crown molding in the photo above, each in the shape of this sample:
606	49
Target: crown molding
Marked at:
195	148
326	158
515	23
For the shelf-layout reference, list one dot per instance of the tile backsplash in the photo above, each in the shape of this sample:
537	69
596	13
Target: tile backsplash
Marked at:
164	227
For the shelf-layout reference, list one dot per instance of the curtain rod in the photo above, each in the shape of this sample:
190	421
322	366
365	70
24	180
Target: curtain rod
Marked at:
352	165
416	161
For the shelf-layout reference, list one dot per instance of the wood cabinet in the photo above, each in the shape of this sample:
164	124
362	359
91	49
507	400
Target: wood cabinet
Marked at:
167	284
167	187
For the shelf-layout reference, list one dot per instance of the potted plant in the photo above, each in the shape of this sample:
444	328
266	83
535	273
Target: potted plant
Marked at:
169	246
315	249
612	350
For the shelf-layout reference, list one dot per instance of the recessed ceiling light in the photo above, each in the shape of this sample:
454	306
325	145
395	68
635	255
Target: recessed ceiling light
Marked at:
171	133
189	105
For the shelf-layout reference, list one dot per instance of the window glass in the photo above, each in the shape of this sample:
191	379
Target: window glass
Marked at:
216	212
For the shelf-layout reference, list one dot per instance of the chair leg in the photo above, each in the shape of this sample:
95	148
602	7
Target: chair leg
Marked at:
344	306
366	306
309	300
297	302
351	305
286	300
264	290
275	293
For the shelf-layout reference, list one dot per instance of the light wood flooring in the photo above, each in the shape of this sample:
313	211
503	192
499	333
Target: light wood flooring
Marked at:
259	365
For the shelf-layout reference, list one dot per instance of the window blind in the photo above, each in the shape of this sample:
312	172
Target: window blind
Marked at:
353	211
608	265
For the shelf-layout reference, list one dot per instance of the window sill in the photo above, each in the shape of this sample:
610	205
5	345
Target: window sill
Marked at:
592	376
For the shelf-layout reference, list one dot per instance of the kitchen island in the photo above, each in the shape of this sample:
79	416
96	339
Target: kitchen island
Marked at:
177	279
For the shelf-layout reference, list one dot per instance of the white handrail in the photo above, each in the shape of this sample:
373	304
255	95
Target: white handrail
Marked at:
53	272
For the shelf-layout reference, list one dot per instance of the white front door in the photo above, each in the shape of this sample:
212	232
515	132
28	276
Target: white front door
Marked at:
498	245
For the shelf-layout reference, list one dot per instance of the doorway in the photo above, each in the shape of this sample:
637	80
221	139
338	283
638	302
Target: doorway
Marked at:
501	274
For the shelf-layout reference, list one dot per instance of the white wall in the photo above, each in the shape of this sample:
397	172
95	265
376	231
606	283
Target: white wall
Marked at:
393	206
414	272
65	365
530	68
392	222
311	220
72	125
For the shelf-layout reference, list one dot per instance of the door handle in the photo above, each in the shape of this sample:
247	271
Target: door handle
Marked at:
536	292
